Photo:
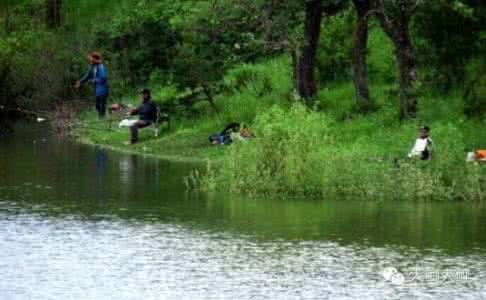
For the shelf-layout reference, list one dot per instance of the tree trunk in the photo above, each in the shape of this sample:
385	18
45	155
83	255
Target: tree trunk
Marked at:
306	66
54	13
7	18
407	62
398	32
5	91
360	54
295	68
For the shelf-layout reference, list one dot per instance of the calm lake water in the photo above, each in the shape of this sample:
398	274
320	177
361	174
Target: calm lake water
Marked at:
78	222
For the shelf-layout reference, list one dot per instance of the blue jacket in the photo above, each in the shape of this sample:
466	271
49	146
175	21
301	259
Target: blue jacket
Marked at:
97	72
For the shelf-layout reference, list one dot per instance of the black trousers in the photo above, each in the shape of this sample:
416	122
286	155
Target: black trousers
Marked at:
101	105
135	127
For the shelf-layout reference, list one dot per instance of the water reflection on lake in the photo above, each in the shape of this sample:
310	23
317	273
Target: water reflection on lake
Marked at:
80	222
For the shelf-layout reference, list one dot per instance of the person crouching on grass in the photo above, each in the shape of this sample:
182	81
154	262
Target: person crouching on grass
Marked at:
422	145
147	113
98	75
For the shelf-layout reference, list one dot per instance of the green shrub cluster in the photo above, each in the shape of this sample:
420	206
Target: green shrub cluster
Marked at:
475	90
35	70
250	88
334	61
298	152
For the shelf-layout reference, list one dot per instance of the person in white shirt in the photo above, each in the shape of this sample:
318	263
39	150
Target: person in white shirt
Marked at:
422	147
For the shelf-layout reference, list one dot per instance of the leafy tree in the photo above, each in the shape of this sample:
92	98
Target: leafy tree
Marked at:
447	34
35	64
227	33
142	42
192	44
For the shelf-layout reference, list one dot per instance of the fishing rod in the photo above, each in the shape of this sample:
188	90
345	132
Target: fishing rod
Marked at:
83	126
107	120
26	111
99	129
86	125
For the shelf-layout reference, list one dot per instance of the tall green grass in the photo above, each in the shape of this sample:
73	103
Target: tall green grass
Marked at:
334	152
303	153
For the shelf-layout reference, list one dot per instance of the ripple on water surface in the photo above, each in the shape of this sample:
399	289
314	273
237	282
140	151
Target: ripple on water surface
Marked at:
71	258
87	223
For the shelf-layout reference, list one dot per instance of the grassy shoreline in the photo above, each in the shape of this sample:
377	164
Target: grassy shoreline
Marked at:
327	155
328	151
189	146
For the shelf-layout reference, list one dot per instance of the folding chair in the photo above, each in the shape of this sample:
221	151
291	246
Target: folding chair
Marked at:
163	115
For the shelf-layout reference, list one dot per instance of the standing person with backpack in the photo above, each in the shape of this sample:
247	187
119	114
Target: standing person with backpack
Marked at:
98	75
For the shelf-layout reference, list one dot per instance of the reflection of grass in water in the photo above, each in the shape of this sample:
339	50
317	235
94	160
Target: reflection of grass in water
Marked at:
419	225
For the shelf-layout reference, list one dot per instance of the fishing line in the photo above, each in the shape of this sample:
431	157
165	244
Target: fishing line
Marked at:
104	121
27	112
81	126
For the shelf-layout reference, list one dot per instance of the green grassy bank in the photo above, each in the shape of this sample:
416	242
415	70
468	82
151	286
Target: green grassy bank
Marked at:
328	151
323	153
179	144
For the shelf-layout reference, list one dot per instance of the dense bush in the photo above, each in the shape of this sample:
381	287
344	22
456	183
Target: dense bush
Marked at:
140	43
186	44
250	88
35	70
475	90
304	153
282	156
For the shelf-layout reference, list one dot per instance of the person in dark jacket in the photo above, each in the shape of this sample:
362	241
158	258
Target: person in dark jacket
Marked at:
147	113
224	137
98	75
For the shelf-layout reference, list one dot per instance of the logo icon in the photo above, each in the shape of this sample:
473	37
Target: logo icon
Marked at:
391	274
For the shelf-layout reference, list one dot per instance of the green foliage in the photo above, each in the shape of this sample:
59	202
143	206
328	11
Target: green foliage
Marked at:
329	154
475	90
141	41
250	77
34	70
382	65
251	88
302	153
37	66
284	152
447	34
335	50
222	36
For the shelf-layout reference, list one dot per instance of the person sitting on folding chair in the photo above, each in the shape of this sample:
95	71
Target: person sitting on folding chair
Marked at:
147	113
